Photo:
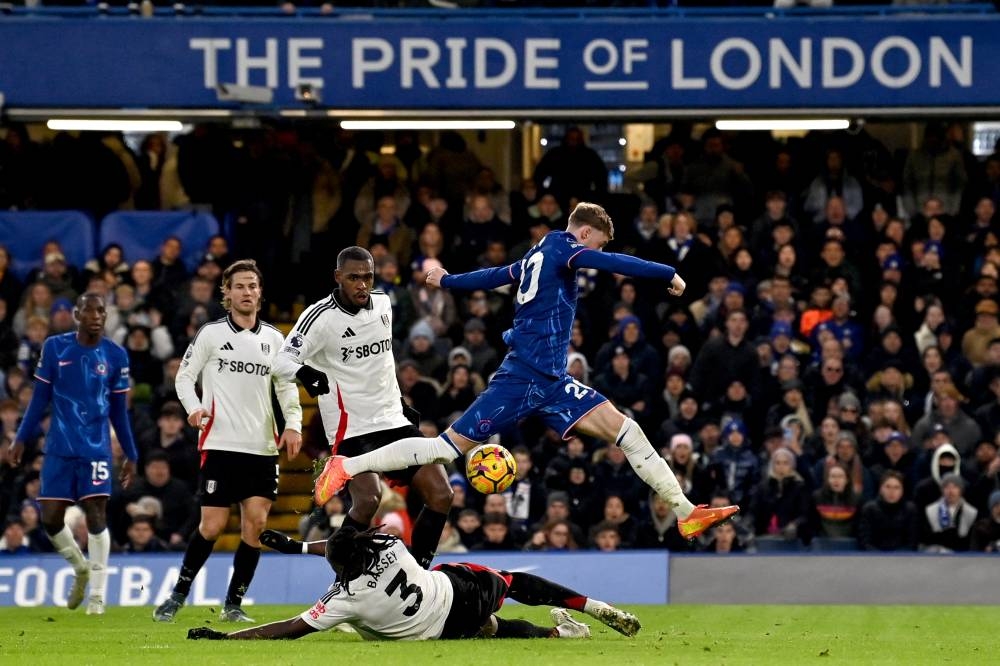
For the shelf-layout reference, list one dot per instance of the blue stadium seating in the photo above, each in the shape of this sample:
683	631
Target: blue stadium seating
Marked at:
140	233
24	234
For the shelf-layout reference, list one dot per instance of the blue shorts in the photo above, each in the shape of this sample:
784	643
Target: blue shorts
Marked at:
73	479
514	394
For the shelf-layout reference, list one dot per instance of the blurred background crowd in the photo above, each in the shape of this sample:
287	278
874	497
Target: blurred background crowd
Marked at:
833	367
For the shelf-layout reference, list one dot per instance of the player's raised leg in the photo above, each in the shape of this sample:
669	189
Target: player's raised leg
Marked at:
609	424
407	452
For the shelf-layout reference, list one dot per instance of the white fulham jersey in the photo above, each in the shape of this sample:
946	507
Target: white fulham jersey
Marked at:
353	346
402	601
235	367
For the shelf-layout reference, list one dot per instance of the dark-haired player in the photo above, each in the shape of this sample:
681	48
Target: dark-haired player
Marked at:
347	338
383	593
85	377
239	438
533	377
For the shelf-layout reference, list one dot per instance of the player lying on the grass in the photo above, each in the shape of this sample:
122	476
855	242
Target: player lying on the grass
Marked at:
532	378
384	594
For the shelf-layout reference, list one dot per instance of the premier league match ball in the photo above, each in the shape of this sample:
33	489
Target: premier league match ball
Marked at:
490	468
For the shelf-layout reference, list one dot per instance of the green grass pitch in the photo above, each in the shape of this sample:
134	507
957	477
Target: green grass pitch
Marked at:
670	635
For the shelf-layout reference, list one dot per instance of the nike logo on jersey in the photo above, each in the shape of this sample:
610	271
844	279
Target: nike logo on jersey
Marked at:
226	347
63	364
348	333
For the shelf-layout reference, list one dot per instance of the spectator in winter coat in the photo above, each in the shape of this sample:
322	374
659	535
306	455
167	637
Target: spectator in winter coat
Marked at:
735	465
888	523
947	523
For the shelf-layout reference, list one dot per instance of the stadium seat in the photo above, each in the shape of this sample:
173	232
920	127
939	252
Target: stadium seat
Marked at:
772	545
831	544
25	233
140	233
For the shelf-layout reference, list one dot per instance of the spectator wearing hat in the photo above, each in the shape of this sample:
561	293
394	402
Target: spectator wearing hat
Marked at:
890	522
420	348
629	337
985	536
625	385
734	465
892	382
692	466
780	502
61	317
947	523
962	428
557	512
846	453
976	340
58	276
484	357
896	454
944	459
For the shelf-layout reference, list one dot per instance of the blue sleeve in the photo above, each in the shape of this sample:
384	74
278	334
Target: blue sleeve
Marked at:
119	419
36	408
46	362
622	263
119	381
487	278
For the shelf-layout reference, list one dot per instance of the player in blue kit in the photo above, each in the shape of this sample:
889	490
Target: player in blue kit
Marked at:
85	377
532	378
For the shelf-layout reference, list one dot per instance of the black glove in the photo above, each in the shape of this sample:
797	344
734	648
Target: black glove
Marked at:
199	633
412	415
281	543
313	381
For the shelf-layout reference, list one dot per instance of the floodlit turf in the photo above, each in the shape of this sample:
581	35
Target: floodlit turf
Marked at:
670	635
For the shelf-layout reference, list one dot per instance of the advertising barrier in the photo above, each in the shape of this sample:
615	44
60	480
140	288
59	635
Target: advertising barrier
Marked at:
146	580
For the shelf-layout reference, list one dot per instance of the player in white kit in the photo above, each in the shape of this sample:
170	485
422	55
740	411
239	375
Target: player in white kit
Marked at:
384	594
341	351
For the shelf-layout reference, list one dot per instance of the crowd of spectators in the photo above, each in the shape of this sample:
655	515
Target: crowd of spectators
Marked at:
833	367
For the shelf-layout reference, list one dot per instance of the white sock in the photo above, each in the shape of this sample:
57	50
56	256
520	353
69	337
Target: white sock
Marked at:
402	454
592	607
98	547
652	468
66	546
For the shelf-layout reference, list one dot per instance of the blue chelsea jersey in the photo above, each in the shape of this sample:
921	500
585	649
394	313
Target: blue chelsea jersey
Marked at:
545	304
82	380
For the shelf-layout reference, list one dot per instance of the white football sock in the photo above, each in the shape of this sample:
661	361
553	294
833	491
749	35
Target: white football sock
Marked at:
652	468
402	454
593	606
98	547
66	546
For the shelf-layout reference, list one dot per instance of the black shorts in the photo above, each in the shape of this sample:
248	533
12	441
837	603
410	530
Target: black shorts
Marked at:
228	477
479	592
355	446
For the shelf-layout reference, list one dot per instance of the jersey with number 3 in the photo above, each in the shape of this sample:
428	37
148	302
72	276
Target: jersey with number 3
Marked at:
401	601
545	304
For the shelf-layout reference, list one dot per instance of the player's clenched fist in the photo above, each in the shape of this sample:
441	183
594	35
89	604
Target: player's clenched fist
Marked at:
434	276
313	381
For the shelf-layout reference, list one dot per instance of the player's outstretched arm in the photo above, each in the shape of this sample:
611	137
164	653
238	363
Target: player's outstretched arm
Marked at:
624	264
286	629
285	544
486	278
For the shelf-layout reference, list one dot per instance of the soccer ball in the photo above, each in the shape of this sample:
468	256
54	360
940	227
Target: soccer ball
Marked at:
490	468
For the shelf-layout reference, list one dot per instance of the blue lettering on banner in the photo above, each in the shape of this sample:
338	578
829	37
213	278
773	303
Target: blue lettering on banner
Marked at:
509	64
146	580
